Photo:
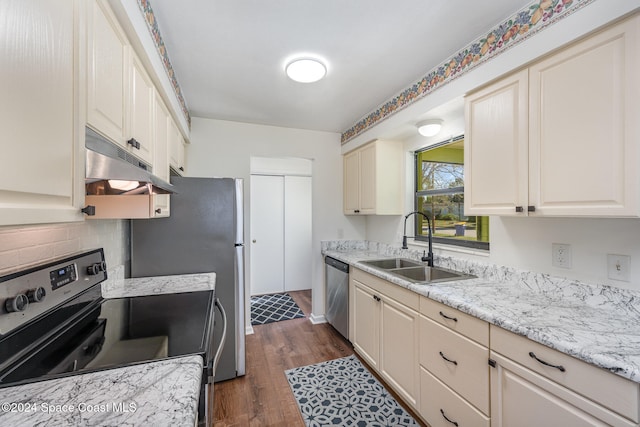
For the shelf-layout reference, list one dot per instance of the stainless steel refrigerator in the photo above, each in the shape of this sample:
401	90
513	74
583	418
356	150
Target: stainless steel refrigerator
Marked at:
203	234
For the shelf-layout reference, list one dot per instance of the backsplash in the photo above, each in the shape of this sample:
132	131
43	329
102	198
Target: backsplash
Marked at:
552	287
22	246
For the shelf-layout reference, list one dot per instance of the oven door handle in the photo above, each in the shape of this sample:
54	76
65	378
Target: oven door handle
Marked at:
216	359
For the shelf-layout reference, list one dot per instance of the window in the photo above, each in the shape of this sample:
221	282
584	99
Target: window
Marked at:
440	195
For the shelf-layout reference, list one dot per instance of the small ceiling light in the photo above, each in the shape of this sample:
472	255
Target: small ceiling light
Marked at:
306	70
429	127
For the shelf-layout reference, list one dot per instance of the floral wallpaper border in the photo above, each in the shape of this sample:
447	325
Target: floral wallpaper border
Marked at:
152	24
523	24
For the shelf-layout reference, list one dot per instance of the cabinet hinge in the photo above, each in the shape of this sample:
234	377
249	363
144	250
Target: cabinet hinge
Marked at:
492	363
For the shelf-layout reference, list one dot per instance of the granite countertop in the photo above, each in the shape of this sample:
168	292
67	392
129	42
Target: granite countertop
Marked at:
159	393
595	323
118	287
162	393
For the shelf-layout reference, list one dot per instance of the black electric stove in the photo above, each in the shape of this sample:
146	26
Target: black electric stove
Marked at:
54	322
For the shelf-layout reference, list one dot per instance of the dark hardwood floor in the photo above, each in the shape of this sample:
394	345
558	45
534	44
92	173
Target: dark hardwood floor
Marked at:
263	397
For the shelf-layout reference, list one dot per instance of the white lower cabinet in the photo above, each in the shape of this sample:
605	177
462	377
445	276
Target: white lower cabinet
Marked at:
454	373
385	332
366	325
533	385
399	349
443	407
456	370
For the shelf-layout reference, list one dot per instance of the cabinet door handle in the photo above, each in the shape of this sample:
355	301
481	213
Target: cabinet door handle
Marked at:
356	211
135	144
181	169
158	211
89	210
376	297
519	209
448	317
531	208
448	420
558	367
448	360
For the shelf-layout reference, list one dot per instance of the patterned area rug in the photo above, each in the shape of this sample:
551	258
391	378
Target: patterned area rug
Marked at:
273	308
342	392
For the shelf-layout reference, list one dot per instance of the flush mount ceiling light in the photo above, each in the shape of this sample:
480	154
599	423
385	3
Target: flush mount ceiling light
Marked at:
429	127
305	70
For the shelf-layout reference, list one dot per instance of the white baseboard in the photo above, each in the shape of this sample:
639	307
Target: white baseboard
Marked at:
317	319
248	330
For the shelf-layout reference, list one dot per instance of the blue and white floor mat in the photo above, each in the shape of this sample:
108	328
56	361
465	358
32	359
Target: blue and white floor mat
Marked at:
273	308
342	392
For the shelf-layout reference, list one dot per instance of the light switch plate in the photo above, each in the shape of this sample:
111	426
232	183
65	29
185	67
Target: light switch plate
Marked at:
618	267
561	255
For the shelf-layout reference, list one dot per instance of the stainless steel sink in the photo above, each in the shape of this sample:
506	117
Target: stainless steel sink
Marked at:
392	263
426	274
415	271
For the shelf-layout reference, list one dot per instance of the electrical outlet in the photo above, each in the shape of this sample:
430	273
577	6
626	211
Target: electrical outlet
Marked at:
561	255
618	267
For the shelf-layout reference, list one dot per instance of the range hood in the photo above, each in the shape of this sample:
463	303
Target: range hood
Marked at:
119	185
110	170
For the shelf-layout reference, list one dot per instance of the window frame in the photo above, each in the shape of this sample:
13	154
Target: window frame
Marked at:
424	193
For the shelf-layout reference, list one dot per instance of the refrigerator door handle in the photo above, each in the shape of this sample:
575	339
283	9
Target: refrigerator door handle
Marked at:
216	359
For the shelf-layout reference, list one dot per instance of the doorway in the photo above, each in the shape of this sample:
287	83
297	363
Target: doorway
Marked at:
280	225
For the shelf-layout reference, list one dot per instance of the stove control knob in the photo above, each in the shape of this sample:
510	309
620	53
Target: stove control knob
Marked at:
17	303
96	268
36	295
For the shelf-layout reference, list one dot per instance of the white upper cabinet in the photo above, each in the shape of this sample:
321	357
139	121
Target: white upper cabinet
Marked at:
176	148
160	202
560	138
584	133
495	148
373	179
107	73
120	92
140	111
42	175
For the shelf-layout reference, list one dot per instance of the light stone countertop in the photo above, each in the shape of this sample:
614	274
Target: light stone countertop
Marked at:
164	392
161	393
118	287
595	323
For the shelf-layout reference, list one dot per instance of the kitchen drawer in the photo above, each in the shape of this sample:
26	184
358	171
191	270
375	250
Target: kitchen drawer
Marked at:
396	292
466	371
438	401
612	391
465	324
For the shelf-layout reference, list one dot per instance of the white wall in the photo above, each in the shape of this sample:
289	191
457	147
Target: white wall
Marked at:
224	148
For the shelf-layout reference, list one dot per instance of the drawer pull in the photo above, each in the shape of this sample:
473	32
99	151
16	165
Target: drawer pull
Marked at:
446	418
376	297
448	317
449	360
558	367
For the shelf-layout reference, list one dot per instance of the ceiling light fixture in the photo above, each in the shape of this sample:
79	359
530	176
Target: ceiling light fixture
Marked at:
429	127
306	70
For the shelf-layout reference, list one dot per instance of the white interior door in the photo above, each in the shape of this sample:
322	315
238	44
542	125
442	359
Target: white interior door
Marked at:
297	233
267	234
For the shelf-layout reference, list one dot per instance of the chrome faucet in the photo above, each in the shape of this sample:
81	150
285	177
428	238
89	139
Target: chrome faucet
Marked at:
429	258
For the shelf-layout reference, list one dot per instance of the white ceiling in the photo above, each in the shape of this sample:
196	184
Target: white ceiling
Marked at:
229	56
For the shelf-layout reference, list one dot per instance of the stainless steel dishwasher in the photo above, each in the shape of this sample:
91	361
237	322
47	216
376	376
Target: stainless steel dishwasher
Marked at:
336	295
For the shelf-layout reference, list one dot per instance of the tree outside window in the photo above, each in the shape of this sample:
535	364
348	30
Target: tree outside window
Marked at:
440	195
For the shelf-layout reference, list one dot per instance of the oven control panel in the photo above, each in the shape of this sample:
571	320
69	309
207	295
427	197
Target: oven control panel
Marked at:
27	294
63	276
